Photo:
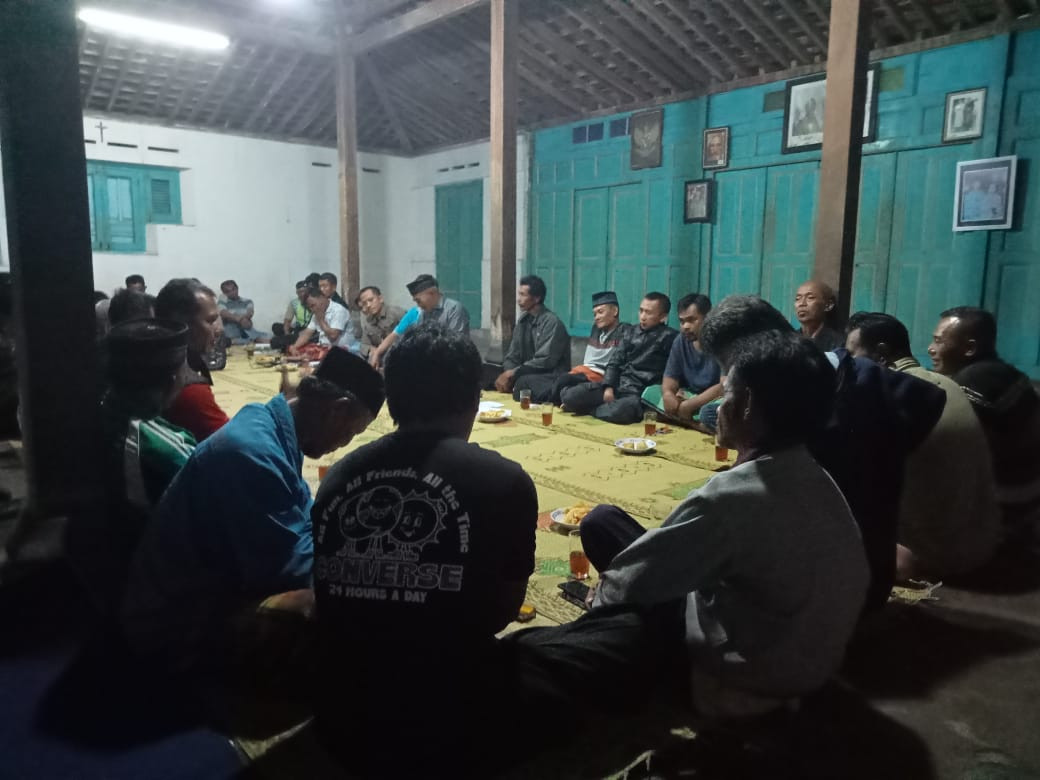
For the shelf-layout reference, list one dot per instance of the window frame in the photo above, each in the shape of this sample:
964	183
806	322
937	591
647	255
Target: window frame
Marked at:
143	207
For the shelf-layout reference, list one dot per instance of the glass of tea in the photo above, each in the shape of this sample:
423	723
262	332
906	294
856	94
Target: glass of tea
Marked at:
721	453
323	469
250	349
649	423
579	561
525	399
547	413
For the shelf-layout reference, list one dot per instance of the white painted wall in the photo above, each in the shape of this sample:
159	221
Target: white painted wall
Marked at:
259	212
411	229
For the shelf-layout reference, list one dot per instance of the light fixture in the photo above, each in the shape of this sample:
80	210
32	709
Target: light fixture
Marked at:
164	32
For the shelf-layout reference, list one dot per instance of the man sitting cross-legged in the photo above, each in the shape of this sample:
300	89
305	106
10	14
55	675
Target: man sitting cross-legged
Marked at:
691	378
540	348
237	314
949	520
637	363
423	547
766	556
234	528
607	330
331	323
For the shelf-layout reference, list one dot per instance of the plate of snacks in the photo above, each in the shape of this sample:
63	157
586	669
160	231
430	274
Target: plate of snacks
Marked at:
494	415
569	518
636	445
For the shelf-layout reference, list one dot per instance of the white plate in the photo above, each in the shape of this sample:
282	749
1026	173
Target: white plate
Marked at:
651	445
504	415
557	516
486	405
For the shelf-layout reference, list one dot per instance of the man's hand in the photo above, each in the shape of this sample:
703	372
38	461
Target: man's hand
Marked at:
608	396
672	402
591	596
293	350
505	381
373	357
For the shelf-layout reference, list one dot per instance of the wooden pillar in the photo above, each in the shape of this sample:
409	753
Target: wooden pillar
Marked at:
503	172
346	141
48	228
847	50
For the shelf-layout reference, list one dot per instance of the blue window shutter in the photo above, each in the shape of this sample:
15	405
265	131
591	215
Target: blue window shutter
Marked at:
94	242
125	212
124	198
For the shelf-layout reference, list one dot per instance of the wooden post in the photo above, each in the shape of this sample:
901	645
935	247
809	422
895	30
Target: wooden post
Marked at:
48	227
836	216
346	142
503	172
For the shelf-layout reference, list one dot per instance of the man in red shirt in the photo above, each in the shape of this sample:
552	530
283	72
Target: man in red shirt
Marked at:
192	303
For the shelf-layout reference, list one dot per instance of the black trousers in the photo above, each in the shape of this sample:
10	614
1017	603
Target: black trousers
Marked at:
587	398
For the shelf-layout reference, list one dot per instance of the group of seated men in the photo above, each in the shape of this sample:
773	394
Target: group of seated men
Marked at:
392	584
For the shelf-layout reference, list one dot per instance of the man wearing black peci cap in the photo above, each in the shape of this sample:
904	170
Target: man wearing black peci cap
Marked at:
430	306
234	527
607	331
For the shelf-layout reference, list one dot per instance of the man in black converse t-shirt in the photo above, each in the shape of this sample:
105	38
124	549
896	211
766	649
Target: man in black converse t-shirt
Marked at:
423	547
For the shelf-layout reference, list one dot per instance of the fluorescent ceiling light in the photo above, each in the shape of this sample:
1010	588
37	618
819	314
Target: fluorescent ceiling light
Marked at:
137	27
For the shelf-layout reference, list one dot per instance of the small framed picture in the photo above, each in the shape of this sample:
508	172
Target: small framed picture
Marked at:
645	132
985	195
698	201
965	111
804	100
715	153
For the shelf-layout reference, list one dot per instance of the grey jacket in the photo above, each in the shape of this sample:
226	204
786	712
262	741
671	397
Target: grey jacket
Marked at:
540	345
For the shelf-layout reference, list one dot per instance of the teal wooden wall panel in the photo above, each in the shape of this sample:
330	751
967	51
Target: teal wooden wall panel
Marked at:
590	252
459	243
907	261
788	231
873	233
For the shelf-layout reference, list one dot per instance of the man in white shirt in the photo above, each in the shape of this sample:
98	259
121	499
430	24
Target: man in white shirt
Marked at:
330	321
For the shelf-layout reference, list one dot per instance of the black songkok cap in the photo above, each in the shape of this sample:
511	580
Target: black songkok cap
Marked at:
354	376
607	296
422	282
147	345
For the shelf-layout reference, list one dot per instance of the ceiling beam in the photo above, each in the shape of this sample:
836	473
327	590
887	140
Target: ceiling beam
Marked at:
897	19
808	28
567	51
370	70
682	11
654	13
305	97
128	56
323	102
370	11
215	79
272	90
102	56
798	53
430	12
725	27
163	87
259	73
929	18
733	8
626	45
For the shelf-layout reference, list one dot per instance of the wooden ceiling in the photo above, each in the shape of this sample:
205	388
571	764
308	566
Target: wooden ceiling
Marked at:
430	88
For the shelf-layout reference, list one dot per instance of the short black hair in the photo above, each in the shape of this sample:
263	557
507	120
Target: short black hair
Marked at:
301	283
177	300
978	324
375	290
432	371
738	317
313	278
133	279
858	318
100	296
661	300
791	381
314	292
130	305
226	282
876	328
702	302
536	286
329	277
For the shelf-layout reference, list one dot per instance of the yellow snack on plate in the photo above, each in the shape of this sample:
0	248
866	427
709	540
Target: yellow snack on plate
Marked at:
577	513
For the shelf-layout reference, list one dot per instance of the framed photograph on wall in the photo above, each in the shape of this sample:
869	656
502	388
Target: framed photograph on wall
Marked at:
645	132
698	200
804	101
965	111
985	195
715	152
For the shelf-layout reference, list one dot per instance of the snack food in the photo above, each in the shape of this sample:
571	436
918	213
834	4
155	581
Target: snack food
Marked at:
576	513
637	446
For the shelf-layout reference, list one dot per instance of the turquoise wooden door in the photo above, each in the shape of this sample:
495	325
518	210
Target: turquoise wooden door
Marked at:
459	238
873	233
788	232
931	268
551	243
736	235
626	247
590	253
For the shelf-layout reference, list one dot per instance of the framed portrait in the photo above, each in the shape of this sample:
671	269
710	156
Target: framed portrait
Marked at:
697	203
804	101
645	132
965	111
715	152
985	195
